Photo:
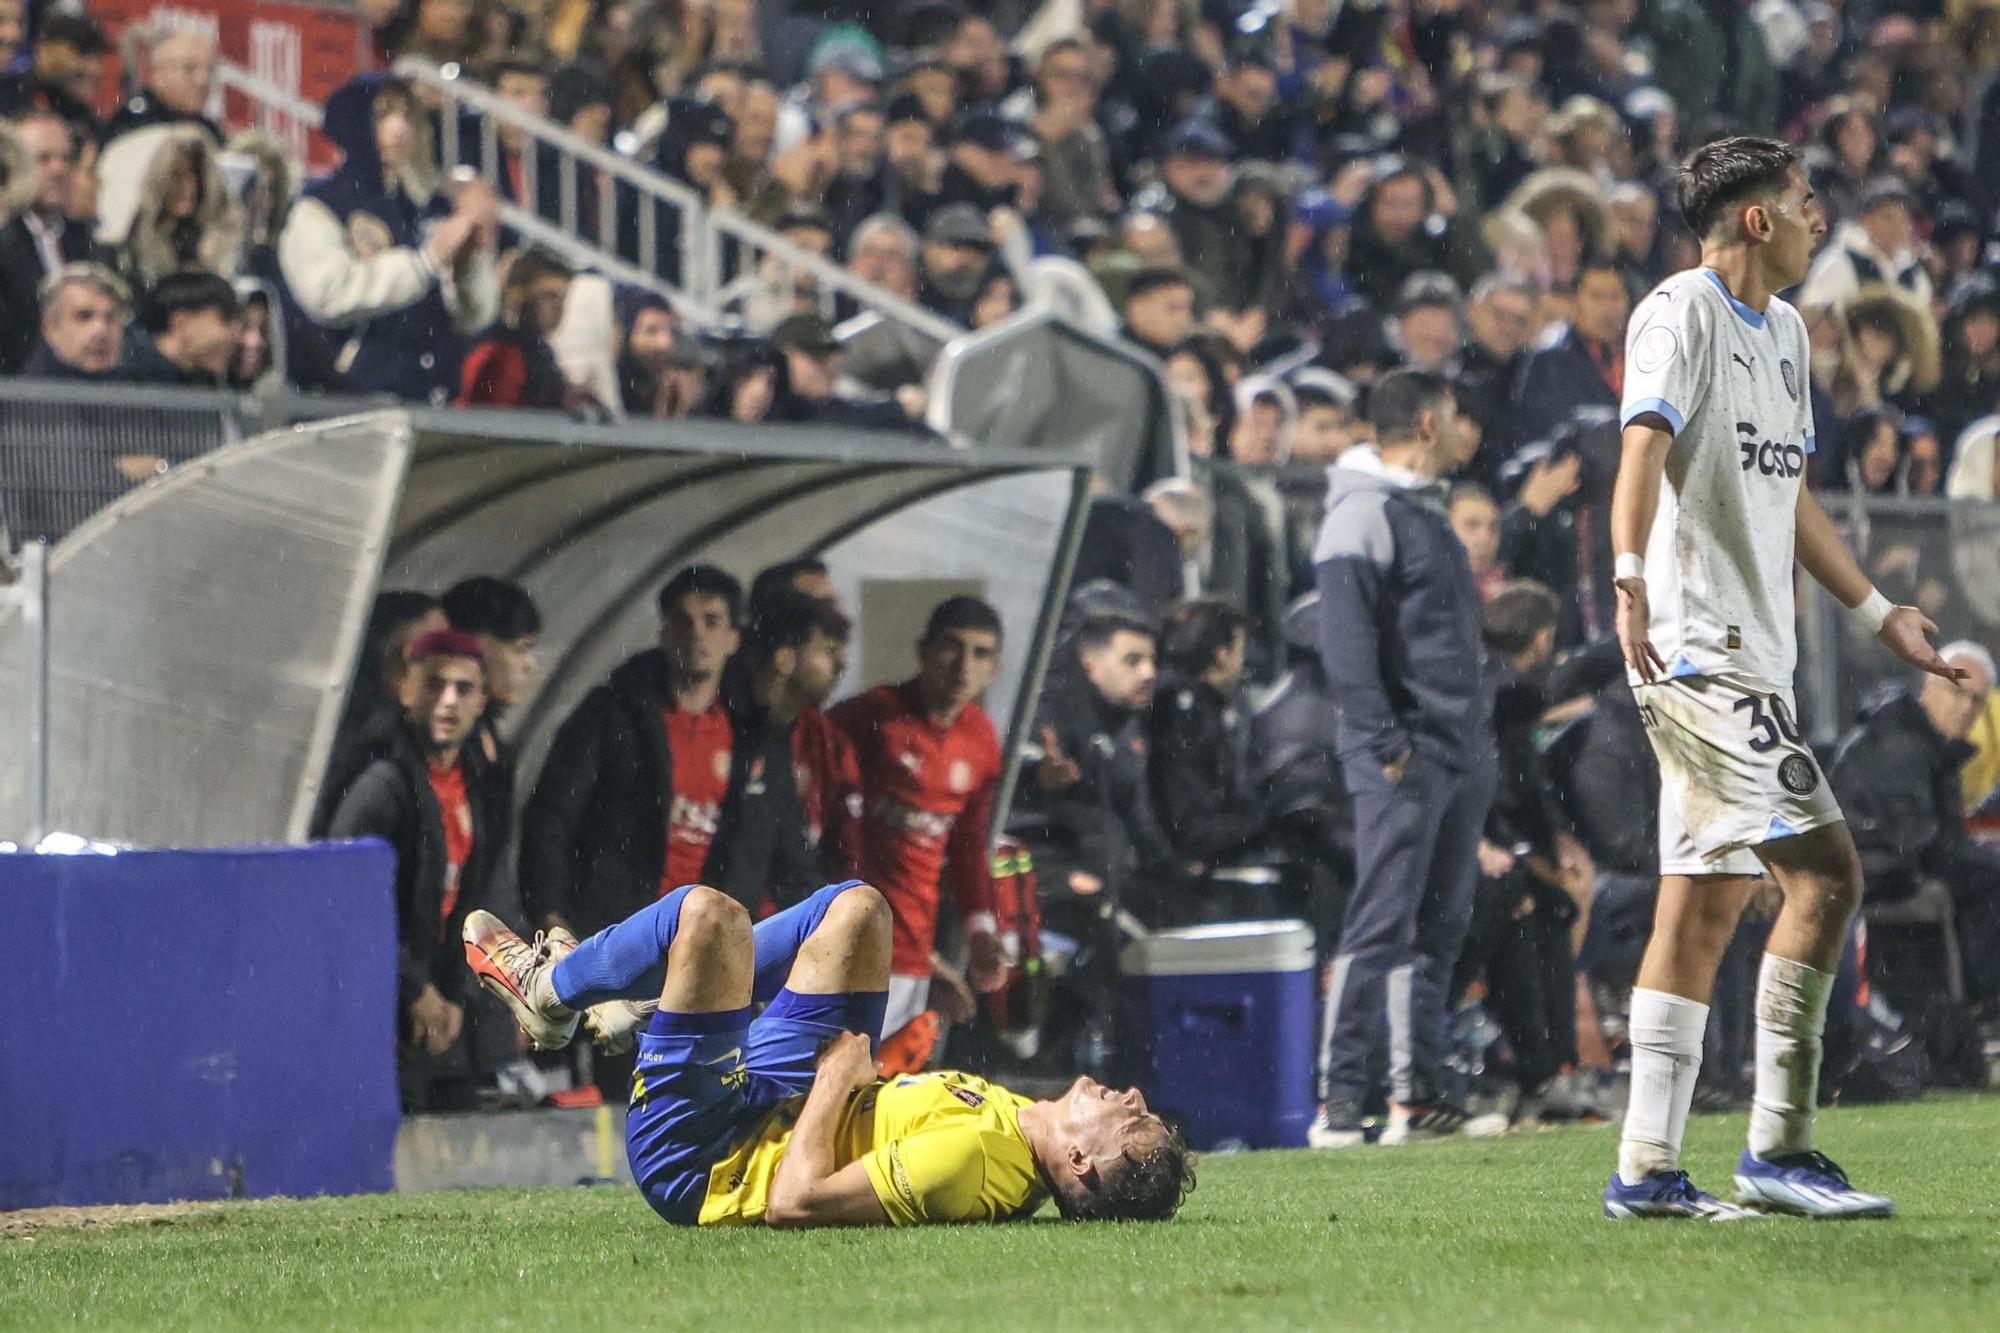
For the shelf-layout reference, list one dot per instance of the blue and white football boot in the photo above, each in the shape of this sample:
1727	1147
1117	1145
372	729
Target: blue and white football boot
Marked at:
1667	1194
1807	1184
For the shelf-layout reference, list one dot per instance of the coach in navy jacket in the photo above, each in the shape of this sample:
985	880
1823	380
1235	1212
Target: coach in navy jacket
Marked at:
1400	642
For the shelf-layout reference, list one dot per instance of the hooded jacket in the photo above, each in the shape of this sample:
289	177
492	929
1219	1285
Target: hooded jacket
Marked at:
131	220
593	834
351	253
1399	619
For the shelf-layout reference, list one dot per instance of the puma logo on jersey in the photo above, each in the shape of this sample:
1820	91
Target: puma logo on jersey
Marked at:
1767	456
1749	365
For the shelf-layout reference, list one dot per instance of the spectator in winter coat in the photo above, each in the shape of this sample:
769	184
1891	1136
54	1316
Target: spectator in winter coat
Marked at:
1879	245
390	276
164	206
1197	731
1575	365
37	236
794	654
1897	776
1193	195
180	70
449	830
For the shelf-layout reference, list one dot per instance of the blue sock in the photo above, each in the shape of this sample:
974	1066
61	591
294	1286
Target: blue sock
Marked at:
780	935
627	961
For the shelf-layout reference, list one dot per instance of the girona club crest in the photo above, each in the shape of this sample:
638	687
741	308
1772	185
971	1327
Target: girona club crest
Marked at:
1791	377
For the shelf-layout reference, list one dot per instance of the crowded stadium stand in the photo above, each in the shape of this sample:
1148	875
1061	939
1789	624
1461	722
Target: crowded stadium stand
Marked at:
326	329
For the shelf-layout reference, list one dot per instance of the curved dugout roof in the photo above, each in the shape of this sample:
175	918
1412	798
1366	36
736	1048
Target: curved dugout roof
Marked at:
207	624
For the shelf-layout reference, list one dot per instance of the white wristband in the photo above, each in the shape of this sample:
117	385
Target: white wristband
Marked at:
1629	565
1874	609
982	923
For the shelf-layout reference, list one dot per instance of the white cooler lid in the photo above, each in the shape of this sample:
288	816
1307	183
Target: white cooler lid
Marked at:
1227	947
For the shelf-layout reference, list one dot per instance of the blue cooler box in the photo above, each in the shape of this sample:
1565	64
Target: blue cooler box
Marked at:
1216	1023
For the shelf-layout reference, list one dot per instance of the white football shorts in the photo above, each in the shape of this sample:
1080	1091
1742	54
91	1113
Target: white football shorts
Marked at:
1734	772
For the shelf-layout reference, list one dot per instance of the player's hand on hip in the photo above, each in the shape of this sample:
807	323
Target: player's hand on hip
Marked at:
1906	631
848	1062
1635	620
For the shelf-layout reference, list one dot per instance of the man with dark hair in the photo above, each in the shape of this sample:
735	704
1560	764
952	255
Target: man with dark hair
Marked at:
1718	424
1399	636
807	574
1086	796
1159	308
783	1120
40	237
1534	876
930	767
1575	365
812	369
513	364
193	321
652	784
1197	732
794	654
449	829
508	625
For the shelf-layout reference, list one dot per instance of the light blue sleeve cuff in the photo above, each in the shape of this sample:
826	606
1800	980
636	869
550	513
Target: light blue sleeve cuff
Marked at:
1660	405
1812	443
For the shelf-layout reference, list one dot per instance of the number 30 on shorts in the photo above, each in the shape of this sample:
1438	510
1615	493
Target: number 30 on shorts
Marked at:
1771	723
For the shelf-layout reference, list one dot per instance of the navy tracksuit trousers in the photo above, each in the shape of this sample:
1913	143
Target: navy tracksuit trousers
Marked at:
1416	871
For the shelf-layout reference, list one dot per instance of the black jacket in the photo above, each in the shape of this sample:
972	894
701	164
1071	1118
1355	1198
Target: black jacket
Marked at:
1609	782
1556	378
1294	766
21	274
1196	774
1125	541
593	835
1897	781
391	799
1103	824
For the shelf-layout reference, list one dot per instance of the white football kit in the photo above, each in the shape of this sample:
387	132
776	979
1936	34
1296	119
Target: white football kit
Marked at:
1734	770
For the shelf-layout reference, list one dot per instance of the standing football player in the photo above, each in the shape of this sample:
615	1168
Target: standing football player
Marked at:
1709	513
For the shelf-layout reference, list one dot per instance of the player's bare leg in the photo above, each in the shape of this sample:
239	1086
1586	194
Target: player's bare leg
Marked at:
849	950
1820	876
712	959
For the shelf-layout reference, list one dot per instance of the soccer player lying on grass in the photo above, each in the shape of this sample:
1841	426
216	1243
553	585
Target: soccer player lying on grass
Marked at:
780	1119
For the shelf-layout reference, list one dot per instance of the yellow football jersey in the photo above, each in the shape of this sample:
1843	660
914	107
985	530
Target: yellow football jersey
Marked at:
939	1147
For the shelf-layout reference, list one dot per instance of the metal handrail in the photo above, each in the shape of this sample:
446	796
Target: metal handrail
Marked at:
274	105
707	236
831	278
456	90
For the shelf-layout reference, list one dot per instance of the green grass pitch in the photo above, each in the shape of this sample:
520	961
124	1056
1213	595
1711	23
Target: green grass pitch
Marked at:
1500	1234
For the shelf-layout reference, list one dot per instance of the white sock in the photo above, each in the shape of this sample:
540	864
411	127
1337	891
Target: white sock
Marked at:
1666	1033
1791	1015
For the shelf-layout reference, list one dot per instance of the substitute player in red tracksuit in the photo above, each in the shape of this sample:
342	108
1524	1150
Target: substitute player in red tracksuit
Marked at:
930	766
